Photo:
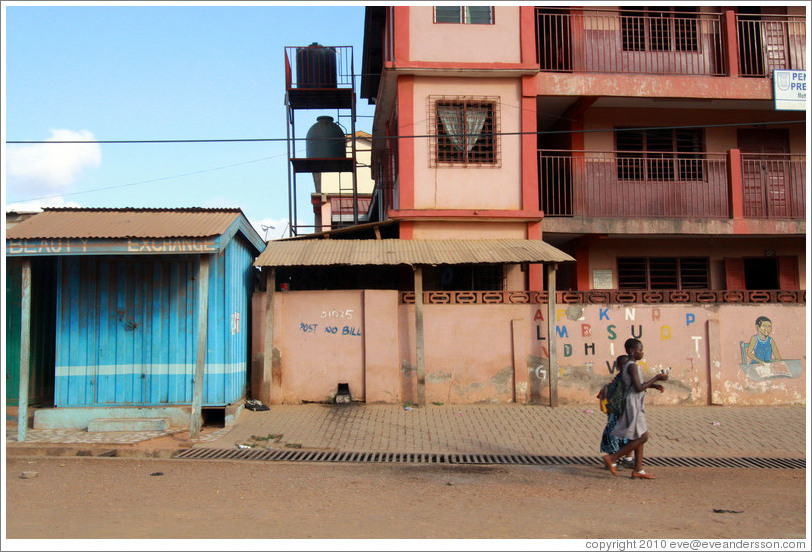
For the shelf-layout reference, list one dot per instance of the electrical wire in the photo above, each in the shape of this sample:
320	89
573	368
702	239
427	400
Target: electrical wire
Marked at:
162	179
538	132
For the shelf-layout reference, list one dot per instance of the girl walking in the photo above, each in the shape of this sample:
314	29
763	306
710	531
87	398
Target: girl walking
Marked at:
631	424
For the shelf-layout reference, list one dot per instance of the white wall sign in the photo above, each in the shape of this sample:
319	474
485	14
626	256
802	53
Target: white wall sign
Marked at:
789	90
601	279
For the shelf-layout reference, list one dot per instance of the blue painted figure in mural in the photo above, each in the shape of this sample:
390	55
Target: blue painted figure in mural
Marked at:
609	443
762	348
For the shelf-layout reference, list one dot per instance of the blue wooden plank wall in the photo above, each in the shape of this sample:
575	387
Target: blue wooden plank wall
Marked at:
127	334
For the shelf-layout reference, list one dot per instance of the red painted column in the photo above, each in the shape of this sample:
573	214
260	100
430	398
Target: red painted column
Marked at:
401	38
405	106
406	230
583	281
530	176
735	184
535	272
527	30
731	45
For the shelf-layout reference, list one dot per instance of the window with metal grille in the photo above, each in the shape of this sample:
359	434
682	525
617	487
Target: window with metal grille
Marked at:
465	131
482	15
664	154
663	273
659	30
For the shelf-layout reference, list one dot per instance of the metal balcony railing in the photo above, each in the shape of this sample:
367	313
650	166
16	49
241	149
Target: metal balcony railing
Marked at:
770	42
666	42
774	185
661	184
634	184
625	41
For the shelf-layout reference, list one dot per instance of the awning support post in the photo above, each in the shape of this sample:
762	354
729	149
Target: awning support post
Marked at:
551	340
202	338
418	315
266	391
25	351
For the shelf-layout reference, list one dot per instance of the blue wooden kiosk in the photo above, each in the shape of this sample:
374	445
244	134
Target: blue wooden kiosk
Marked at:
133	339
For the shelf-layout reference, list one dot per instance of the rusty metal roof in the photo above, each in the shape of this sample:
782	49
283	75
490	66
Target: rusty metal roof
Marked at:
409	252
96	223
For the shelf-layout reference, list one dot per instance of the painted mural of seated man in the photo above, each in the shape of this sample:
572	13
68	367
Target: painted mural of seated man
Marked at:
762	348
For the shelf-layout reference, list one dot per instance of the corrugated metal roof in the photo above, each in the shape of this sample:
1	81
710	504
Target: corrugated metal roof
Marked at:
93	223
411	252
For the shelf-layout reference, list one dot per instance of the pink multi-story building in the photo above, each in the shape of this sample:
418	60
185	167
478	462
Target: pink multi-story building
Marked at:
662	149
643	141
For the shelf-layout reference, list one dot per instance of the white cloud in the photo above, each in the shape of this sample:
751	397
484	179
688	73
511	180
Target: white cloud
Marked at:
271	229
36	169
38	204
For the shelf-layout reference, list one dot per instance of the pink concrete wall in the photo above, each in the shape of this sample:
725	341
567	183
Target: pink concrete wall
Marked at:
381	346
452	42
699	342
473	230
471	355
500	353
478	186
320	337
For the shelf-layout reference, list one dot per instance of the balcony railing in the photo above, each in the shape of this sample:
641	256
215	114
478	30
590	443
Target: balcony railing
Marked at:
610	41
634	184
774	185
660	184
669	42
770	42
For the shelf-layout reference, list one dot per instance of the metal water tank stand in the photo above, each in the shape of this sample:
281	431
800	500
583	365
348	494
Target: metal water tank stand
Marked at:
316	96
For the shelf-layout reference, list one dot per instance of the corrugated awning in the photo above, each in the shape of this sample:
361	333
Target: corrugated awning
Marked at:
90	223
127	231
407	252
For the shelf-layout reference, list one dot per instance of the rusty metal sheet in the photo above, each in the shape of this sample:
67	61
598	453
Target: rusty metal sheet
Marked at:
409	252
75	223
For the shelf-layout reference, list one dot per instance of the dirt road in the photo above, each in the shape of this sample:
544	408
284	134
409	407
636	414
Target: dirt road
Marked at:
86	498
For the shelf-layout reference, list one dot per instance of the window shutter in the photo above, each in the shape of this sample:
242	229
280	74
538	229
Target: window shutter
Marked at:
734	273
788	273
447	14
478	14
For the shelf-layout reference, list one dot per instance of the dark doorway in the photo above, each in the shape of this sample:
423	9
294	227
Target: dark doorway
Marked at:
761	273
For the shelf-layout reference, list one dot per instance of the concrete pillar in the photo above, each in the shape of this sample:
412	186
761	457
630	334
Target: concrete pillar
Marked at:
25	351
420	353
553	379
202	340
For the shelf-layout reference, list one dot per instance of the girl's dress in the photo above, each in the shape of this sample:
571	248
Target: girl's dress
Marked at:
609	443
632	423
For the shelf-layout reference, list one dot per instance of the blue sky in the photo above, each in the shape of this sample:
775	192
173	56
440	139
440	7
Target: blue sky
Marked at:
134	71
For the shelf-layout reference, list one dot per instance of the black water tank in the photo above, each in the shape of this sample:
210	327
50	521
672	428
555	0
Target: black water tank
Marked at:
316	67
325	140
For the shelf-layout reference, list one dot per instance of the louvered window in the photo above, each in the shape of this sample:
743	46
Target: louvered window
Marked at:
660	154
661	273
482	15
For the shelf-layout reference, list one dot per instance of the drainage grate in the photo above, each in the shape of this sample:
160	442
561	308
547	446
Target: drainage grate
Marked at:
490	459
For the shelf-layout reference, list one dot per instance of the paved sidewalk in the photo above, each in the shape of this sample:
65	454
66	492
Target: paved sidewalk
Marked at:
777	432
696	431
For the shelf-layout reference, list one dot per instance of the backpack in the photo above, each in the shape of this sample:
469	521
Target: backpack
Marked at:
613	395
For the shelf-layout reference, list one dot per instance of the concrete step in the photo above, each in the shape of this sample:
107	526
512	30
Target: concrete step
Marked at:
128	424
